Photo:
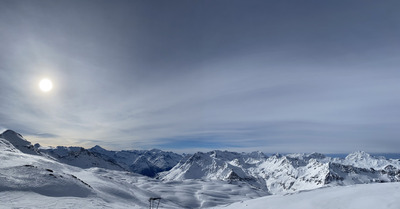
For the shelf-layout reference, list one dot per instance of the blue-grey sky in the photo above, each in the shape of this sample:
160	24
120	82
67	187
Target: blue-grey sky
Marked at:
274	76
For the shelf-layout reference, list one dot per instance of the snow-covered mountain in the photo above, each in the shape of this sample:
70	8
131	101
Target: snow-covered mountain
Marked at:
281	174
78	156
37	181
145	162
362	159
19	142
221	165
103	178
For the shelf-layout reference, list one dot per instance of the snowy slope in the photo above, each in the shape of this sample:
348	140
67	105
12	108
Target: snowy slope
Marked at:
366	196
5	145
42	181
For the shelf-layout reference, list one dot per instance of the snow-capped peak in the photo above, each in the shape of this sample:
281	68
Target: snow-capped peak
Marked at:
98	149
15	138
18	141
358	155
362	159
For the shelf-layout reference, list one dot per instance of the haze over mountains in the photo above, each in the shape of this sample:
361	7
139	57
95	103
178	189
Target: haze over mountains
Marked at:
121	178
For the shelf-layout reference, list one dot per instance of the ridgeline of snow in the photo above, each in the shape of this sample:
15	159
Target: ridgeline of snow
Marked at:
145	162
18	141
78	156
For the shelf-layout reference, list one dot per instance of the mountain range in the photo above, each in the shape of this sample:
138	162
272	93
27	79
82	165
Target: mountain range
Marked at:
255	173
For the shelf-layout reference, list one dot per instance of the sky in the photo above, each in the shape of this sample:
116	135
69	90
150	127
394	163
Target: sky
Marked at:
274	76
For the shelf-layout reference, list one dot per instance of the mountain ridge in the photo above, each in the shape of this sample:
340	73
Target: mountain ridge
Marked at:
276	174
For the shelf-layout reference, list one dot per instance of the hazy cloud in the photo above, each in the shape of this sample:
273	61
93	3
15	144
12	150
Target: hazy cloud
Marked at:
273	76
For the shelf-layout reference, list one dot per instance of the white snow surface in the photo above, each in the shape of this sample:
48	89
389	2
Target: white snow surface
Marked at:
365	196
7	146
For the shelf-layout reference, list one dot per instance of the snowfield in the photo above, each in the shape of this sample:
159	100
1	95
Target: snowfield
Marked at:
364	196
73	177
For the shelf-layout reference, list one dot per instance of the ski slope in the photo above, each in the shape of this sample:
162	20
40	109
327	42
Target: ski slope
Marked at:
362	196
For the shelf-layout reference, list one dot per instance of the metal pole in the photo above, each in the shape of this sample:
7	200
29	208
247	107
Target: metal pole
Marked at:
158	203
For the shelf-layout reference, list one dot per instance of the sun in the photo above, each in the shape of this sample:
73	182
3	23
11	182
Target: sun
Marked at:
45	85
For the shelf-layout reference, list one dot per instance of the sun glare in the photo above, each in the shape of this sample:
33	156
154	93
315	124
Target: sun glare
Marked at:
45	85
